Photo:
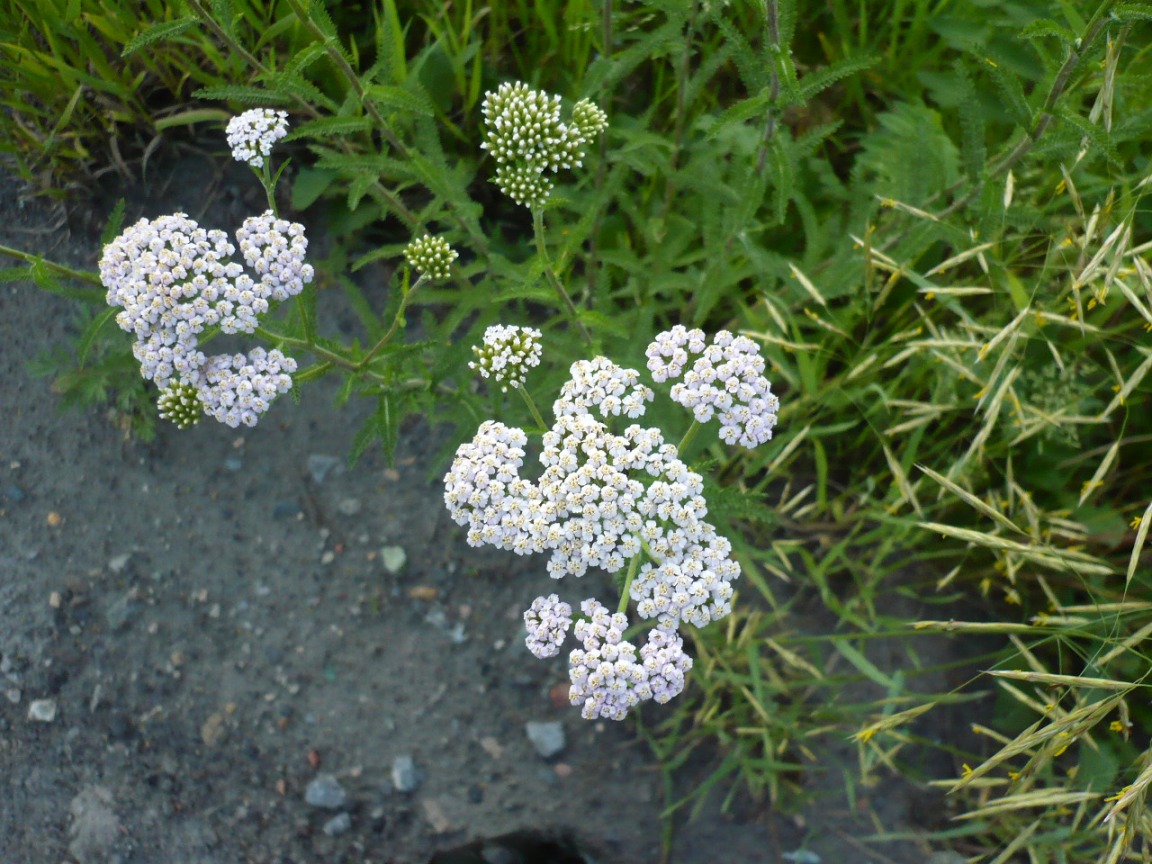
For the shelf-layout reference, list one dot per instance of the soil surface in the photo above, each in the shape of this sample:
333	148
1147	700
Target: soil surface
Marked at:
210	653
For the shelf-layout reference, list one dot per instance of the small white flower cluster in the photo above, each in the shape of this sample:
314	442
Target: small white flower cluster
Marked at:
239	388
607	680
252	134
174	279
547	621
431	256
726	379
602	499
526	138
507	354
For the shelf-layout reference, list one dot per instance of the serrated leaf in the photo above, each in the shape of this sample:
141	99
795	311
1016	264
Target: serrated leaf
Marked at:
16	274
163	30
330	126
114	224
1132	12
1046	27
747	109
46	281
399	99
84	343
243	95
817	82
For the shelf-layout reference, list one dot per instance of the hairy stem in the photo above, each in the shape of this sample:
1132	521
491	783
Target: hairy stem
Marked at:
363	364
542	251
531	406
82	275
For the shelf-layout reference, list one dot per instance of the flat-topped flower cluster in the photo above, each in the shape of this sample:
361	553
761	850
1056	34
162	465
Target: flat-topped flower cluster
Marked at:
175	280
607	500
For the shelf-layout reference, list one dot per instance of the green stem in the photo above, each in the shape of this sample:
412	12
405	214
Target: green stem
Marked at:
83	276
363	364
633	569
532	406
349	74
542	251
688	436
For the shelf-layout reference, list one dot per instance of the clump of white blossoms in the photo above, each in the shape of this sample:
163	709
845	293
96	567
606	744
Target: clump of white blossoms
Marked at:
606	500
507	353
526	137
175	279
431	257
726	379
252	134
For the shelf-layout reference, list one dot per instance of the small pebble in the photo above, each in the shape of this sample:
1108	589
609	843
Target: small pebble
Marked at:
13	694
14	494
42	710
393	558
337	825
119	562
405	776
286	509
321	465
54	519
233	463
349	506
547	738
325	791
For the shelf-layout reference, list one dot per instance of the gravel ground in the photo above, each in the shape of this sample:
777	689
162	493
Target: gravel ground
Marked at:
211	652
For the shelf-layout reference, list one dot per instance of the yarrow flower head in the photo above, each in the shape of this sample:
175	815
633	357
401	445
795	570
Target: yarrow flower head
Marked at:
526	137
547	622
605	499
431	256
252	134
725	379
507	354
174	279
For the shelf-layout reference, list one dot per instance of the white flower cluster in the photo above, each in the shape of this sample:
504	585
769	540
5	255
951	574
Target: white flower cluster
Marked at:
602	499
252	134
607	680
174	279
526	138
726	379
239	388
431	256
508	352
547	621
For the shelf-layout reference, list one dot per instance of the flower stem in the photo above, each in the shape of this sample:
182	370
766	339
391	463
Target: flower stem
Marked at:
83	276
625	592
531	406
363	364
688	436
542	251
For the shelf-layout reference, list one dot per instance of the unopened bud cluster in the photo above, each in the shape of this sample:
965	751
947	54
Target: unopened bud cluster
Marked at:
603	500
174	280
507	353
431	256
526	137
252	134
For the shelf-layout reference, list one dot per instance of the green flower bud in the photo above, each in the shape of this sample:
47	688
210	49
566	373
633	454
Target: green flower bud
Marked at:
180	403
